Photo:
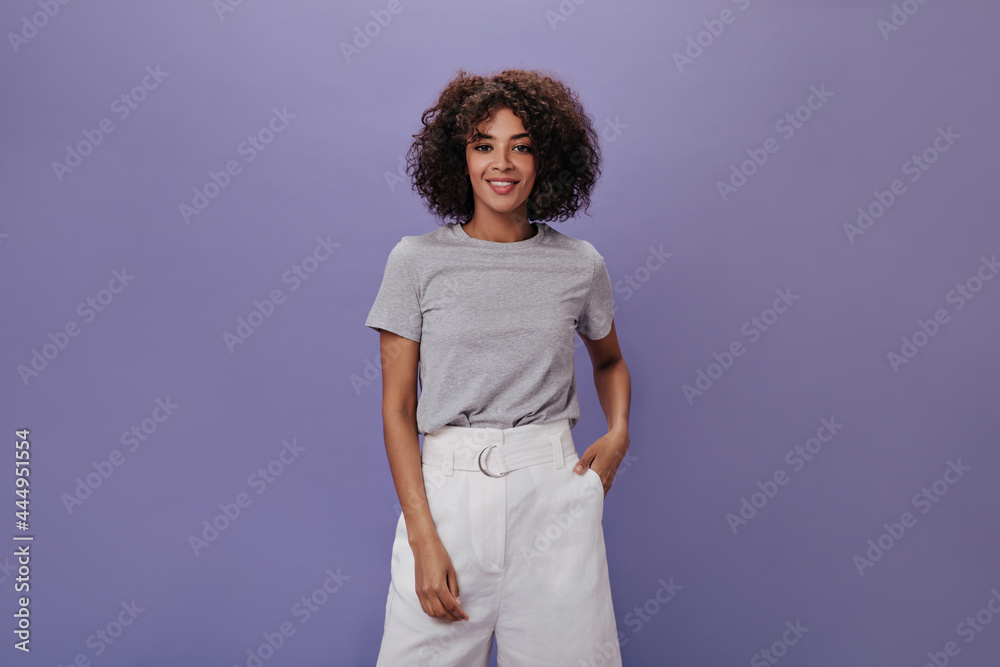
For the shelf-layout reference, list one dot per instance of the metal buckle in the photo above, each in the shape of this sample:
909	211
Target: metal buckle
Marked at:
486	472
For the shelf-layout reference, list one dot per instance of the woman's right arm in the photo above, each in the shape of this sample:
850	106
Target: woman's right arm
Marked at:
437	584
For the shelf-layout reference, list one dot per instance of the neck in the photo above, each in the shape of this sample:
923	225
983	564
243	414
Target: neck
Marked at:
500	229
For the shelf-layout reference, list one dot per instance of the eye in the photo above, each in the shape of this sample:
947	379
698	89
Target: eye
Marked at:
527	149
485	146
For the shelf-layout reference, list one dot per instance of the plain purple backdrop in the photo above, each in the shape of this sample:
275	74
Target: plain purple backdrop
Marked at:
158	100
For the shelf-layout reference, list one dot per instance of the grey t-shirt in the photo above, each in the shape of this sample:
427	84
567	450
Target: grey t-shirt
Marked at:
495	322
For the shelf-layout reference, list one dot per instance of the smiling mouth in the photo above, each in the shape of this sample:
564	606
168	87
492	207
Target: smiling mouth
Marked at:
501	184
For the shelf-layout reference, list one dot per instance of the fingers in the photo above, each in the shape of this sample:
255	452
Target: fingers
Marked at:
452	609
439	596
441	604
453	591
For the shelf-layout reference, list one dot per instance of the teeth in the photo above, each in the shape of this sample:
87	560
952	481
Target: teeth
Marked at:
501	183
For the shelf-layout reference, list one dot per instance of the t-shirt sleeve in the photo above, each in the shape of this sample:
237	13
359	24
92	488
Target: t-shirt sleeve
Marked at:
397	304
595	320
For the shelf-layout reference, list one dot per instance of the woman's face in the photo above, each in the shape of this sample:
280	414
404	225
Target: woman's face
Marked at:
501	165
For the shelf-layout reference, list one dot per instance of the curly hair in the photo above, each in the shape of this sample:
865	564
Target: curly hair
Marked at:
564	142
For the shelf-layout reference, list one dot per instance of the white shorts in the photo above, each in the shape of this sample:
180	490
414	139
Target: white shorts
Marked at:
528	550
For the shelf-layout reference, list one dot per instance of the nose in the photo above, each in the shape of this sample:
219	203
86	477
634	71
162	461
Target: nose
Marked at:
502	161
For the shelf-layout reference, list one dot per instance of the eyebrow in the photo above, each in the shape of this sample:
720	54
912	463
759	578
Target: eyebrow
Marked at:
478	136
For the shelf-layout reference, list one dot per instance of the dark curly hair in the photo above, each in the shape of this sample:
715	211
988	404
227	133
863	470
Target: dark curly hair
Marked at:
564	142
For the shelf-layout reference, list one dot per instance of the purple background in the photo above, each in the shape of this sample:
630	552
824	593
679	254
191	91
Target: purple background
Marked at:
308	372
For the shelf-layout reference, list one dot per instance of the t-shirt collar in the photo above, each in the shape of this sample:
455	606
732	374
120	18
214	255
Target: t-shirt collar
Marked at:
534	240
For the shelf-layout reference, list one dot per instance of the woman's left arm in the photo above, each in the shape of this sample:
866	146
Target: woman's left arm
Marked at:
614	390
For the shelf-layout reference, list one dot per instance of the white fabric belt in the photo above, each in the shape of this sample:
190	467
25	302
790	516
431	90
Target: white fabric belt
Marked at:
495	452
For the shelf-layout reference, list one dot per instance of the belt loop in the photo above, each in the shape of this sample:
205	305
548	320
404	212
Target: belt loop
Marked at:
557	450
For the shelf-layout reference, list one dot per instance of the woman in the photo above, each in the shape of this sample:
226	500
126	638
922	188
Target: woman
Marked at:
493	507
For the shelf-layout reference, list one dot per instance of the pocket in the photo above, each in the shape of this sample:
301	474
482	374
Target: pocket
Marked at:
590	472
593	493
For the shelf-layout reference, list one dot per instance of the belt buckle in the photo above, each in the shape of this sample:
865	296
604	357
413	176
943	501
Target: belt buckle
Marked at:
486	472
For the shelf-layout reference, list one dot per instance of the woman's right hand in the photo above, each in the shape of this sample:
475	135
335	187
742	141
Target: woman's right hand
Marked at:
437	581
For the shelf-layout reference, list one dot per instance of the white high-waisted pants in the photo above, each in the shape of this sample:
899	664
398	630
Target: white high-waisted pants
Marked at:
528	550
